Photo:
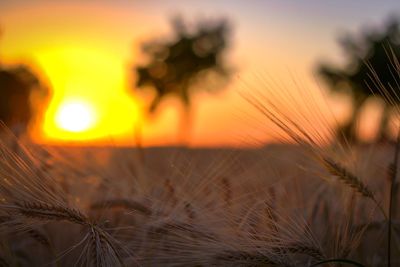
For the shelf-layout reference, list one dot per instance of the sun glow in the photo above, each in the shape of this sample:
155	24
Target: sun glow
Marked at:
75	117
90	102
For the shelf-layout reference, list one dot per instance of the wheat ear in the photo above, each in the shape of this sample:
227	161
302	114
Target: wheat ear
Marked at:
351	180
122	203
50	212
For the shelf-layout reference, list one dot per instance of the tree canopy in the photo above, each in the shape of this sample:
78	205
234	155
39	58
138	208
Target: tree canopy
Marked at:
371	63
175	67
16	87
372	69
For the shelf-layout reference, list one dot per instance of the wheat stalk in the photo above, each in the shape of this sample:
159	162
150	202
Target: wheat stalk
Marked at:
393	176
351	180
50	212
122	203
103	251
306	250
246	259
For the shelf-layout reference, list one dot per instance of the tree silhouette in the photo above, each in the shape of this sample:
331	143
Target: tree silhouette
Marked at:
176	67
372	69
16	87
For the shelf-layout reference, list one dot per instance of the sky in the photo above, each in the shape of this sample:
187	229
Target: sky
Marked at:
66	39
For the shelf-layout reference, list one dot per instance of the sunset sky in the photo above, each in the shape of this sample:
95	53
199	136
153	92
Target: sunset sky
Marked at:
87	51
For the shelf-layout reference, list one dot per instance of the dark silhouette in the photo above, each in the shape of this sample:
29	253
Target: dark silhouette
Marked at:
175	67
372	69
16	86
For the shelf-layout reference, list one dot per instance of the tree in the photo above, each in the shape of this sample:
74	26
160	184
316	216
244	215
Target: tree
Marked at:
176	67
16	87
372	69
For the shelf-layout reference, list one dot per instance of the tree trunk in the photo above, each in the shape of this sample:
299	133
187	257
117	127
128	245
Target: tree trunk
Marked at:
347	133
383	134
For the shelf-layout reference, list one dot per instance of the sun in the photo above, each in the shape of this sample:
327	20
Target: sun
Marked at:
90	103
75	116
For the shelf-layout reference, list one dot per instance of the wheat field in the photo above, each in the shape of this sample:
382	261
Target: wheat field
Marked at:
304	203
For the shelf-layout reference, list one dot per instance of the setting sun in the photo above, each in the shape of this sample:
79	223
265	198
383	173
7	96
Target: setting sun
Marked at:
75	117
90	102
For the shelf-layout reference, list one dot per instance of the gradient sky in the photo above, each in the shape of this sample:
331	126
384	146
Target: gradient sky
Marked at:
271	38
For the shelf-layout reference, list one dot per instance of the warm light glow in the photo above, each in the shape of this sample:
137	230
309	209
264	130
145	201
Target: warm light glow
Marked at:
90	102
75	117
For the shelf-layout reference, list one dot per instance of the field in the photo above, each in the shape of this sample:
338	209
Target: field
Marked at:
272	206
199	133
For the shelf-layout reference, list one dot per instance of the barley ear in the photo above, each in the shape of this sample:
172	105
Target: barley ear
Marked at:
348	178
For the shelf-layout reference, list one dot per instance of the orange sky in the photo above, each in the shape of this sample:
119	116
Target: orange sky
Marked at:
86	51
